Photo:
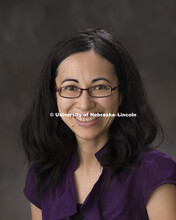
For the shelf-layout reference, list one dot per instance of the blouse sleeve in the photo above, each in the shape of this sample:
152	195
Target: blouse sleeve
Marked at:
157	169
30	188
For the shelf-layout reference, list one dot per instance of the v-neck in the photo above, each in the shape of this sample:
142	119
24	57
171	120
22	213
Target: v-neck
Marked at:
74	163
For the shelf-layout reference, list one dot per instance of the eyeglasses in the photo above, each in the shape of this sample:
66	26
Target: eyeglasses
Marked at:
98	91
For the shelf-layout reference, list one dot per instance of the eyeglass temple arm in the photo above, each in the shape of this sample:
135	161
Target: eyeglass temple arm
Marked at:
114	87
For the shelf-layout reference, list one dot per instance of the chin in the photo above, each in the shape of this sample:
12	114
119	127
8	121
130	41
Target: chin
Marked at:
90	135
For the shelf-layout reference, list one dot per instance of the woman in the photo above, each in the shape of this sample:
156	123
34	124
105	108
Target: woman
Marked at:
88	164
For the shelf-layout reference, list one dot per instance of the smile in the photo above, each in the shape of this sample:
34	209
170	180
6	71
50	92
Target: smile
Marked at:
91	118
86	117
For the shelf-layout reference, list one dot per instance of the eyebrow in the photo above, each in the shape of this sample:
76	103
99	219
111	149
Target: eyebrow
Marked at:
69	79
101	78
94	80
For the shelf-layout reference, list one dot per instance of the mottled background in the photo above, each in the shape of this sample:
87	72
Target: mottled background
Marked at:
29	29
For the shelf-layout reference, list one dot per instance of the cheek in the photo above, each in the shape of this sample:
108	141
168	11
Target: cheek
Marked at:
63	107
110	105
64	104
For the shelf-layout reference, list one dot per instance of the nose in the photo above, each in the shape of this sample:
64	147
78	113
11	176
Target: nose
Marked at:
85	101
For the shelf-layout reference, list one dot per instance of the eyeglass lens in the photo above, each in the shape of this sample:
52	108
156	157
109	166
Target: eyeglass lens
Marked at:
96	91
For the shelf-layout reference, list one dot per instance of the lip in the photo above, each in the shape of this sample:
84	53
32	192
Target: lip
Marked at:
87	114
86	123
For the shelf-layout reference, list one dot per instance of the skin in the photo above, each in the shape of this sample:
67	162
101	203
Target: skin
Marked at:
36	213
161	204
85	67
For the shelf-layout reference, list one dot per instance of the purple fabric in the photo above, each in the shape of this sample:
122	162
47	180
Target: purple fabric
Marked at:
125	199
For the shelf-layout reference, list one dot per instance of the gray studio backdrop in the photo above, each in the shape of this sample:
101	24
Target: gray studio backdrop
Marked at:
29	29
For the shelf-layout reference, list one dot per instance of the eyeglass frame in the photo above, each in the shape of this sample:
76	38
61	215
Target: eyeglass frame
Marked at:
81	89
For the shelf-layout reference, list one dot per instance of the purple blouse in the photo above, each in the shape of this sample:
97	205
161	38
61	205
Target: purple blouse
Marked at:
125	199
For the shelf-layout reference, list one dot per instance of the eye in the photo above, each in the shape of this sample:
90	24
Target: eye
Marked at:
70	88
100	87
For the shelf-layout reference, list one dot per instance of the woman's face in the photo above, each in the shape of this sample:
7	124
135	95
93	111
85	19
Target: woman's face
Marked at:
84	70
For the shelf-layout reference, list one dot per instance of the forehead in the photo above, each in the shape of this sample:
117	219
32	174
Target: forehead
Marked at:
85	65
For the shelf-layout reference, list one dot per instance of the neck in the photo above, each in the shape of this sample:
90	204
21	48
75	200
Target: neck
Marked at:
86	153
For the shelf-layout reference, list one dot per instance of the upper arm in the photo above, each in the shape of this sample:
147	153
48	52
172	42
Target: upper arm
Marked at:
162	203
35	212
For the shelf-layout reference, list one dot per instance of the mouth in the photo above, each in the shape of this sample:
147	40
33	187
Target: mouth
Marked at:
91	118
86	117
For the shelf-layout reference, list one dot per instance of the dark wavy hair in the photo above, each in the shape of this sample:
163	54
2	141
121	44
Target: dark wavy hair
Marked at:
48	142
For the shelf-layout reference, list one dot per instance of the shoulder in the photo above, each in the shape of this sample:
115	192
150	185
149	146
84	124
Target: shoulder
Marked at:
156	169
30	187
149	152
154	161
30	179
39	199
